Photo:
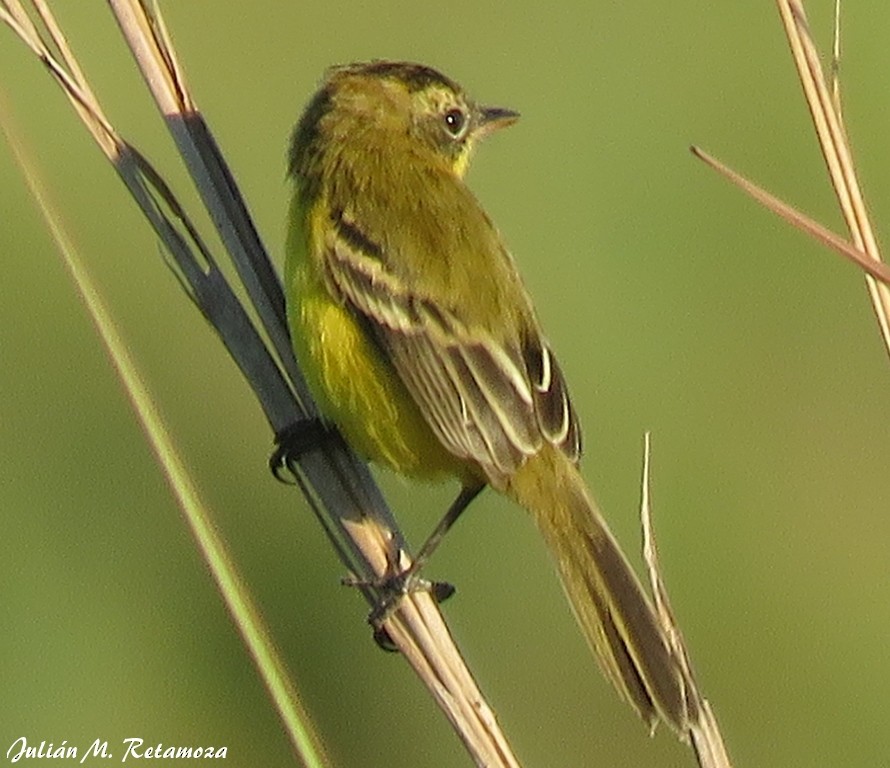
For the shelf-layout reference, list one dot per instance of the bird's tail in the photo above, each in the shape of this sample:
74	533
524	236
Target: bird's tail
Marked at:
614	613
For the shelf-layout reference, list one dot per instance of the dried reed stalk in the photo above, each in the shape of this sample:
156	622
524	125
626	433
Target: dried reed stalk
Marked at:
825	110
338	485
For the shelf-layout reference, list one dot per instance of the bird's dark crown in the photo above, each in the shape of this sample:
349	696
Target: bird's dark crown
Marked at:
415	77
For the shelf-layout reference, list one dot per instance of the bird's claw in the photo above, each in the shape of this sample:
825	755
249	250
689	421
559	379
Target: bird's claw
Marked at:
295	440
391	590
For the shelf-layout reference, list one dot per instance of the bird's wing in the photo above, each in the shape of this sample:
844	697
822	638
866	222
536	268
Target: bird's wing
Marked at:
489	400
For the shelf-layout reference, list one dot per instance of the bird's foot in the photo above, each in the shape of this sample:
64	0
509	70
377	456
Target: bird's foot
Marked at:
390	591
295	440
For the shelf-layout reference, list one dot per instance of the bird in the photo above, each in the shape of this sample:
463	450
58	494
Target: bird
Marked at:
422	346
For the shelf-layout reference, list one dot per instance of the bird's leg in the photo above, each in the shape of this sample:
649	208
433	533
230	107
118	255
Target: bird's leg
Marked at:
399	584
296	439
463	500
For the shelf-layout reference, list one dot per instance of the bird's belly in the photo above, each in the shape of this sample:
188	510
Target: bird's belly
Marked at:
360	392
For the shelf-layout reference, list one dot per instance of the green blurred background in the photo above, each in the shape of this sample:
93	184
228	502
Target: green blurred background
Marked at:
675	304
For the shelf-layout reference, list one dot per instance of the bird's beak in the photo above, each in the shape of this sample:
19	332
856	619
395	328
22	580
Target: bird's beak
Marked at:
494	118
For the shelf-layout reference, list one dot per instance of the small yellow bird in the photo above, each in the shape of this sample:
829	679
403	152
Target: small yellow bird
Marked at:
421	344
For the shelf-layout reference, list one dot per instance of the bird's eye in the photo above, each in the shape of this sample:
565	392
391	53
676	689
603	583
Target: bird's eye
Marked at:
455	120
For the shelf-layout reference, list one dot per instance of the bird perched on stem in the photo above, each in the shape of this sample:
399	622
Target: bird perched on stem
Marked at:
422	346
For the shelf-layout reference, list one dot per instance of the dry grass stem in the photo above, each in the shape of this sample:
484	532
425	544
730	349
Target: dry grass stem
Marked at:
707	741
824	103
836	61
835	149
298	725
876	269
824	106
338	486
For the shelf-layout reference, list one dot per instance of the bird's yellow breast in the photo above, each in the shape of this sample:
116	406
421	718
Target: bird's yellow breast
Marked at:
355	386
